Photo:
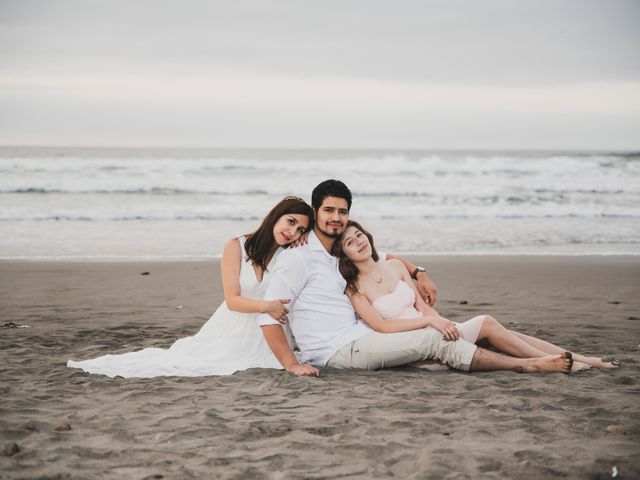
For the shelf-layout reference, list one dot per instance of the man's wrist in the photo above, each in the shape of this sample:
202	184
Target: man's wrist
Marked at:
291	365
417	271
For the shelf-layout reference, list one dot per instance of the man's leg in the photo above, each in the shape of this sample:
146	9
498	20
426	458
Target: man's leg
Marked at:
385	350
457	354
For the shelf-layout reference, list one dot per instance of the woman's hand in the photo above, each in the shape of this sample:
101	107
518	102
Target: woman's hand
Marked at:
447	327
304	238
277	310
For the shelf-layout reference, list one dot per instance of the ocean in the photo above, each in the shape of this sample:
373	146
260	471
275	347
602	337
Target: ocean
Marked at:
139	203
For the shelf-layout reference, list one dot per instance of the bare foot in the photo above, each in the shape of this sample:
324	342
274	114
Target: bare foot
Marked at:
429	365
599	363
550	363
579	366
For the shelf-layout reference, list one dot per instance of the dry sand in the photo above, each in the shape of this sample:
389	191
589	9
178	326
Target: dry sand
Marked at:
402	423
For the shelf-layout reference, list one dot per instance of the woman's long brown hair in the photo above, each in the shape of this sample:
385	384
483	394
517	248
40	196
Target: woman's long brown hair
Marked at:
347	268
260	245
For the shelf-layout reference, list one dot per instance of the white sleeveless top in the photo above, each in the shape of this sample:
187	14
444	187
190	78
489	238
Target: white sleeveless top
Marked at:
397	304
250	287
400	304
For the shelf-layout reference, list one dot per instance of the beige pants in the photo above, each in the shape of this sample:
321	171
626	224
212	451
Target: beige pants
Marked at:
379	350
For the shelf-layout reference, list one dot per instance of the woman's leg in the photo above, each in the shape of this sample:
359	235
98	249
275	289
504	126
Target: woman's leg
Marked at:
505	341
509	342
550	348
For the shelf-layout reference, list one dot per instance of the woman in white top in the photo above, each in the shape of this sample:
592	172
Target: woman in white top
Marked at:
386	299
231	340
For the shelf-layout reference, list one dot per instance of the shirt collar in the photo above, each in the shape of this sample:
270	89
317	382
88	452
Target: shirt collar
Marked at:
316	245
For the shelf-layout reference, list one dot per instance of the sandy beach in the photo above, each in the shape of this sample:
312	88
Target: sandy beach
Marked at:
57	422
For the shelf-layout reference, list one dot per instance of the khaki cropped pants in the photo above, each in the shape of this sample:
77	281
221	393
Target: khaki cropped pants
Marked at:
384	350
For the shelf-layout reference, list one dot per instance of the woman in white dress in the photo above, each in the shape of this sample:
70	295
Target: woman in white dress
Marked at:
231	340
386	298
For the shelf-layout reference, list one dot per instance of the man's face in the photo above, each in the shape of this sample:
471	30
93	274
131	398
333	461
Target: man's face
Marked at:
332	216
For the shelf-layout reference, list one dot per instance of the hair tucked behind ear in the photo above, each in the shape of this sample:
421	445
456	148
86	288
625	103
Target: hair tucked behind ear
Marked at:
347	268
260	245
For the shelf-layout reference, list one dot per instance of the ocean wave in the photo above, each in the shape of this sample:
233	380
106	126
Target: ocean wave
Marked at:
412	200
543	193
392	194
131	218
132	191
597	191
243	218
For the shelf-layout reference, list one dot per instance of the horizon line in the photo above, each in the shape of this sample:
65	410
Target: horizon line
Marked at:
334	148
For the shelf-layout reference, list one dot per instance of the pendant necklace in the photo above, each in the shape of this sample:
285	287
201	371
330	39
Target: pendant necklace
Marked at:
379	281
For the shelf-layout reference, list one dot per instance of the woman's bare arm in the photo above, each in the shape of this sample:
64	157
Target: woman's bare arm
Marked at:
444	325
230	267
372	318
426	287
422	306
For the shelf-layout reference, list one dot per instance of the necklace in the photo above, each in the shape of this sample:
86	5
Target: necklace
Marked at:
379	281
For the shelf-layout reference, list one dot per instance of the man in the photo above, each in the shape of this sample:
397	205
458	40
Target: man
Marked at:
324	322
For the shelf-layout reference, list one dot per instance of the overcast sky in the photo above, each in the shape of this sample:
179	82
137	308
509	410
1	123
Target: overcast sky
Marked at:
374	74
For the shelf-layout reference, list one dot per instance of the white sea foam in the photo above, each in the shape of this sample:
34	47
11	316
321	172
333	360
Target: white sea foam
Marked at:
138	203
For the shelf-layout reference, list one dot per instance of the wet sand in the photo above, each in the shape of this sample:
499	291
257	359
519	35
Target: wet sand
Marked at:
400	423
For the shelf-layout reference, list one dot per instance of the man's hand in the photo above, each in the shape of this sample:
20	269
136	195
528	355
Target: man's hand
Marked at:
427	288
304	370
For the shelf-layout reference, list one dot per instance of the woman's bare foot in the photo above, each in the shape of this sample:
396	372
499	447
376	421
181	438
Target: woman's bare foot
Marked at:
551	363
599	363
430	365
580	366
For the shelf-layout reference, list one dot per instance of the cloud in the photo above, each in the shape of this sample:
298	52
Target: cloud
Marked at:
258	92
485	42
336	73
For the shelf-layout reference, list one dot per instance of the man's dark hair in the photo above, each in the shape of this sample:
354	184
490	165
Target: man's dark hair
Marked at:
330	188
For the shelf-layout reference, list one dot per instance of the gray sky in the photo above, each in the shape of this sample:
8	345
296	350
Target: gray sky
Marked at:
406	74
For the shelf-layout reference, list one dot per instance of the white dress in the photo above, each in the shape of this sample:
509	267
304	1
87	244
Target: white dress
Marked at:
229	342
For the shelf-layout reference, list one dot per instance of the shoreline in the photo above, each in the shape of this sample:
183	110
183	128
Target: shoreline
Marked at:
411	255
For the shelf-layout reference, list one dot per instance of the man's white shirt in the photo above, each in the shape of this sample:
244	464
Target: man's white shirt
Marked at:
320	314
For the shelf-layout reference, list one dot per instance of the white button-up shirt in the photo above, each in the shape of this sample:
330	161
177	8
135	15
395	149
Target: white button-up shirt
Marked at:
320	314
